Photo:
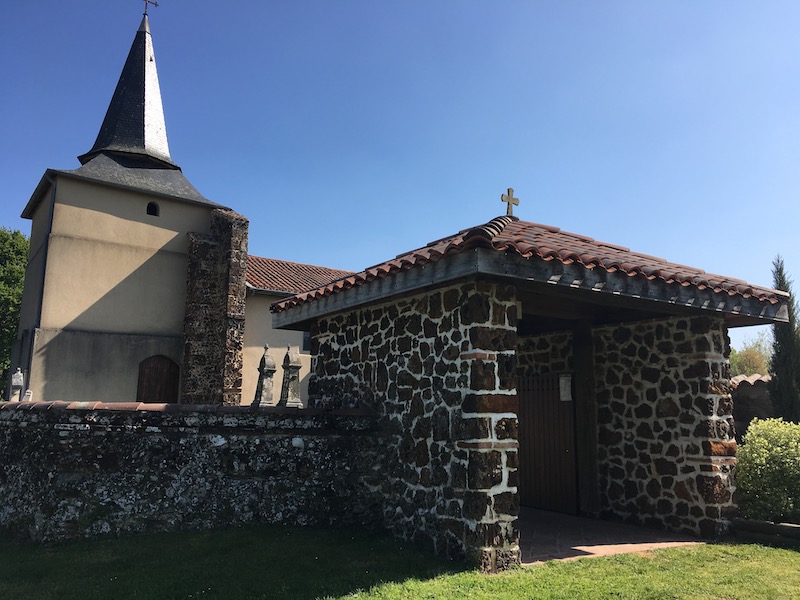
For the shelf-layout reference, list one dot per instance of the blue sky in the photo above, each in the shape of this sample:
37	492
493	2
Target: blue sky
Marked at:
350	131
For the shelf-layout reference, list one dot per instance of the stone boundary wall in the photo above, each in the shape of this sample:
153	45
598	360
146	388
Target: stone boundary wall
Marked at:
751	399
440	368
666	435
86	469
214	319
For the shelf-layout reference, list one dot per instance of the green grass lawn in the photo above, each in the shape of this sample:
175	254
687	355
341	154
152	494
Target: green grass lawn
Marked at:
277	562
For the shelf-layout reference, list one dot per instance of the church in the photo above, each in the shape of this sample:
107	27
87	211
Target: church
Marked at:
112	244
506	365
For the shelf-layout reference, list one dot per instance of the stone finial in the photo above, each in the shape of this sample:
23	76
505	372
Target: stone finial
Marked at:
290	390
510	201
266	372
17	385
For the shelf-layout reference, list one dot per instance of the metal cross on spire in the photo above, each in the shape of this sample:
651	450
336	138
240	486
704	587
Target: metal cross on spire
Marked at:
146	2
511	201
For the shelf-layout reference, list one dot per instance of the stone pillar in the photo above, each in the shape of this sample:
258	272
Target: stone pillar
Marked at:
290	390
488	427
214	318
266	372
709	380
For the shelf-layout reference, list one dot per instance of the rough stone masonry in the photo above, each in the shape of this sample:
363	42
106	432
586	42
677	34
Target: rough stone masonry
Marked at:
439	368
85	469
214	316
665	439
414	428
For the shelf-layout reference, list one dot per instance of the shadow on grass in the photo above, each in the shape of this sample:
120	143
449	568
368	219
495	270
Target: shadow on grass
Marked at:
248	562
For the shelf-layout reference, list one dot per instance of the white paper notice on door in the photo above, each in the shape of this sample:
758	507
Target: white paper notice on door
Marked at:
565	388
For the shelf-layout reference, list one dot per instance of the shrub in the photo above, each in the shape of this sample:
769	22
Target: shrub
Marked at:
768	471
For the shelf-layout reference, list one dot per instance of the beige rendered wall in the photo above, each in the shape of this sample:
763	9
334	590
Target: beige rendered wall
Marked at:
111	267
79	366
32	291
257	332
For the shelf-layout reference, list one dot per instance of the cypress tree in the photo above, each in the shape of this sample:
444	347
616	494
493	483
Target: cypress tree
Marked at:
785	363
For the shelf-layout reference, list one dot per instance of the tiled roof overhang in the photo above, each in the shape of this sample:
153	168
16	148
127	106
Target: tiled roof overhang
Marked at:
277	277
517	250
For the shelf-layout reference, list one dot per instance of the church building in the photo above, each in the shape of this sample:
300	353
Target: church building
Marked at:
108	313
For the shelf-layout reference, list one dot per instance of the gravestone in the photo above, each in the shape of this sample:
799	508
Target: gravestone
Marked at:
266	372
17	385
290	390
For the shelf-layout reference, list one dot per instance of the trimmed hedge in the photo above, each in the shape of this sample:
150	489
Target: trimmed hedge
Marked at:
768	471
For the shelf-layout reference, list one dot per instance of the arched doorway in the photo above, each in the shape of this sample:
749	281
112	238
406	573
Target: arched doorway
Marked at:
159	378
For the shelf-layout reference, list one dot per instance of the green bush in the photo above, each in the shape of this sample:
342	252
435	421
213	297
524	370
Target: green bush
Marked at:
768	471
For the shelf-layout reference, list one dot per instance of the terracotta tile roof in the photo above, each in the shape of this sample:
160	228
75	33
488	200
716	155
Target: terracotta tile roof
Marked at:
508	234
754	379
273	275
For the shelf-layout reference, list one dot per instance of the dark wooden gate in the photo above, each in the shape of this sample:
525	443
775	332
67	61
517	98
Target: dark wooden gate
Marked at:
547	460
158	380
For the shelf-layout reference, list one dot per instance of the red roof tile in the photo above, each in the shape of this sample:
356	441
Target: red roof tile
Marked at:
273	275
753	380
508	234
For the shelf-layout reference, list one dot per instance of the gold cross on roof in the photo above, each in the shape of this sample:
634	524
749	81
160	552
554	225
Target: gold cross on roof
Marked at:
146	2
511	201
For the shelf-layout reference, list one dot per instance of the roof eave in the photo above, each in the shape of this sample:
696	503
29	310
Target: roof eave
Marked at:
44	183
71	175
483	261
261	291
421	277
159	161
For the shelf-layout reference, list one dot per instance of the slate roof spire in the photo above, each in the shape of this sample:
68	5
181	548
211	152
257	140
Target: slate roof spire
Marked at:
134	122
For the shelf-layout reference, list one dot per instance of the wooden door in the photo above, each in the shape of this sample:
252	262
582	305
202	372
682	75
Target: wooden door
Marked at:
158	380
547	457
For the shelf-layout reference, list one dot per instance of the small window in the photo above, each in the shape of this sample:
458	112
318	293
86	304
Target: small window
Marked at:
152	209
306	342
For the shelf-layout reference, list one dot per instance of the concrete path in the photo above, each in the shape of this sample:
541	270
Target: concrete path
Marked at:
554	536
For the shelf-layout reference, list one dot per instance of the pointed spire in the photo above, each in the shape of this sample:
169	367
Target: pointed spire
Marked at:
134	122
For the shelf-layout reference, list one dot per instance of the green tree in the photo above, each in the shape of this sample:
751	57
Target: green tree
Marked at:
785	365
13	259
753	357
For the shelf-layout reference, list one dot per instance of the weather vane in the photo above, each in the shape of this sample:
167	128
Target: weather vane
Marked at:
511	201
146	2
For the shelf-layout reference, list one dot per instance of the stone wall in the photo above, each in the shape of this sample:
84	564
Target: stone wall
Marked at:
547	353
440	369
666	435
85	469
665	446
413	426
214	321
